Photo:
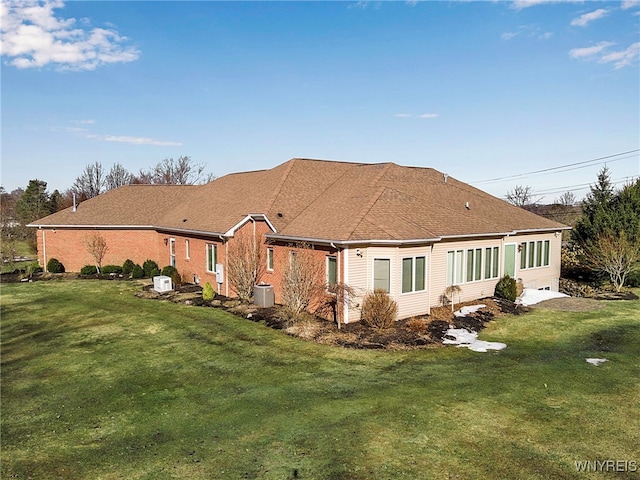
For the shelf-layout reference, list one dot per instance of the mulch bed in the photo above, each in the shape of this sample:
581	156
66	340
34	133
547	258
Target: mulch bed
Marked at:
416	332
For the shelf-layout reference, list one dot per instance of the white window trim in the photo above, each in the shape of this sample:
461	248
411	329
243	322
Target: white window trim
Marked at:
373	272
187	249
413	290
270	259
535	254
215	247
326	273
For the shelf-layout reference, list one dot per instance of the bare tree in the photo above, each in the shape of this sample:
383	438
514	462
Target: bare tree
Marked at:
117	177
97	247
303	280
567	199
91	182
245	264
337	295
174	172
521	196
613	254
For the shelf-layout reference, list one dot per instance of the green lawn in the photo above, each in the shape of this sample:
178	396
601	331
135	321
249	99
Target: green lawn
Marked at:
99	384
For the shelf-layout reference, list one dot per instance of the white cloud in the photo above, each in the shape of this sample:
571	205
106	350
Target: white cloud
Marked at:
403	115
627	4
520	4
603	54
623	58
590	51
528	31
32	36
140	141
410	115
429	115
587	18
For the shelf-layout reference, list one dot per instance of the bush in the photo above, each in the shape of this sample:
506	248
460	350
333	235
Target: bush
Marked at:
168	271
127	267
207	292
109	269
417	325
137	272
379	310
31	269
54	266
506	288
633	279
88	270
150	268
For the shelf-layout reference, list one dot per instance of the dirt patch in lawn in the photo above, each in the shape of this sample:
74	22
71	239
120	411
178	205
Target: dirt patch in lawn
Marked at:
571	304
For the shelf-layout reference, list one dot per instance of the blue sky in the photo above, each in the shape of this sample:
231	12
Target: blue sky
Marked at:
479	90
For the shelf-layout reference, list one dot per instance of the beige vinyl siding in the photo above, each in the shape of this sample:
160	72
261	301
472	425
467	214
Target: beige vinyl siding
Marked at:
361	278
543	276
469	290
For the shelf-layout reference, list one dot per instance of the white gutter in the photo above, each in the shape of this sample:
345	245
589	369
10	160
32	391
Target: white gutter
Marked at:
251	217
132	227
44	250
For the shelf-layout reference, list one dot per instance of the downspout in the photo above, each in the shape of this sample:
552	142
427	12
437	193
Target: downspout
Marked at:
44	249
339	279
226	274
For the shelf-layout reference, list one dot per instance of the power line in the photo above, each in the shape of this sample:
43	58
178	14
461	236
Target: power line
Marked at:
583	186
567	167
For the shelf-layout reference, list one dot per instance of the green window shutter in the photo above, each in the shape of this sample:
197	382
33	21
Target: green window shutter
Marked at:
487	262
421	263
478	269
539	253
496	262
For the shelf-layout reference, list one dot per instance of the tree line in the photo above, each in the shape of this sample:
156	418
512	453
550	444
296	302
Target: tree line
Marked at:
20	207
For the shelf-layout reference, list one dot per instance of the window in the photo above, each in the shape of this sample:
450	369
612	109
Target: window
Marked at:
332	270
212	257
491	262
546	253
535	254
187	250
454	267
382	274
172	252
532	255
270	259
413	274
474	264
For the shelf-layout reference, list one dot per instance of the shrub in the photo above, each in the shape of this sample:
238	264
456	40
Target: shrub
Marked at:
127	267
108	269
506	288
88	270
150	268
137	272
417	325
168	271
54	266
379	310
633	279
176	278
207	292
31	269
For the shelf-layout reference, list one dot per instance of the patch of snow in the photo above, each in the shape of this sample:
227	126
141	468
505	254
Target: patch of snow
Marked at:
596	361
464	311
531	296
465	338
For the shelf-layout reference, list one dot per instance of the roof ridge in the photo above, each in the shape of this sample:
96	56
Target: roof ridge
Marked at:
311	203
278	188
366	209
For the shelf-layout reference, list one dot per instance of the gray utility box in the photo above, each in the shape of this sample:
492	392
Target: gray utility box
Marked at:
263	296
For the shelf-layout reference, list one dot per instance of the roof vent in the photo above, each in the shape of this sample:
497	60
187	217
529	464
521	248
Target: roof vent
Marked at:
280	215
446	176
466	205
184	219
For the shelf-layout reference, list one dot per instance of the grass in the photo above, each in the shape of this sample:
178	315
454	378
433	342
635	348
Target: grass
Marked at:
100	384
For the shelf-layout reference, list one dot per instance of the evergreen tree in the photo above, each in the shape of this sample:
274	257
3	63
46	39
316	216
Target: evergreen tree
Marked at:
35	202
597	215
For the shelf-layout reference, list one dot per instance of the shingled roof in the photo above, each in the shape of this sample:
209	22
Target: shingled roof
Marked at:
314	199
